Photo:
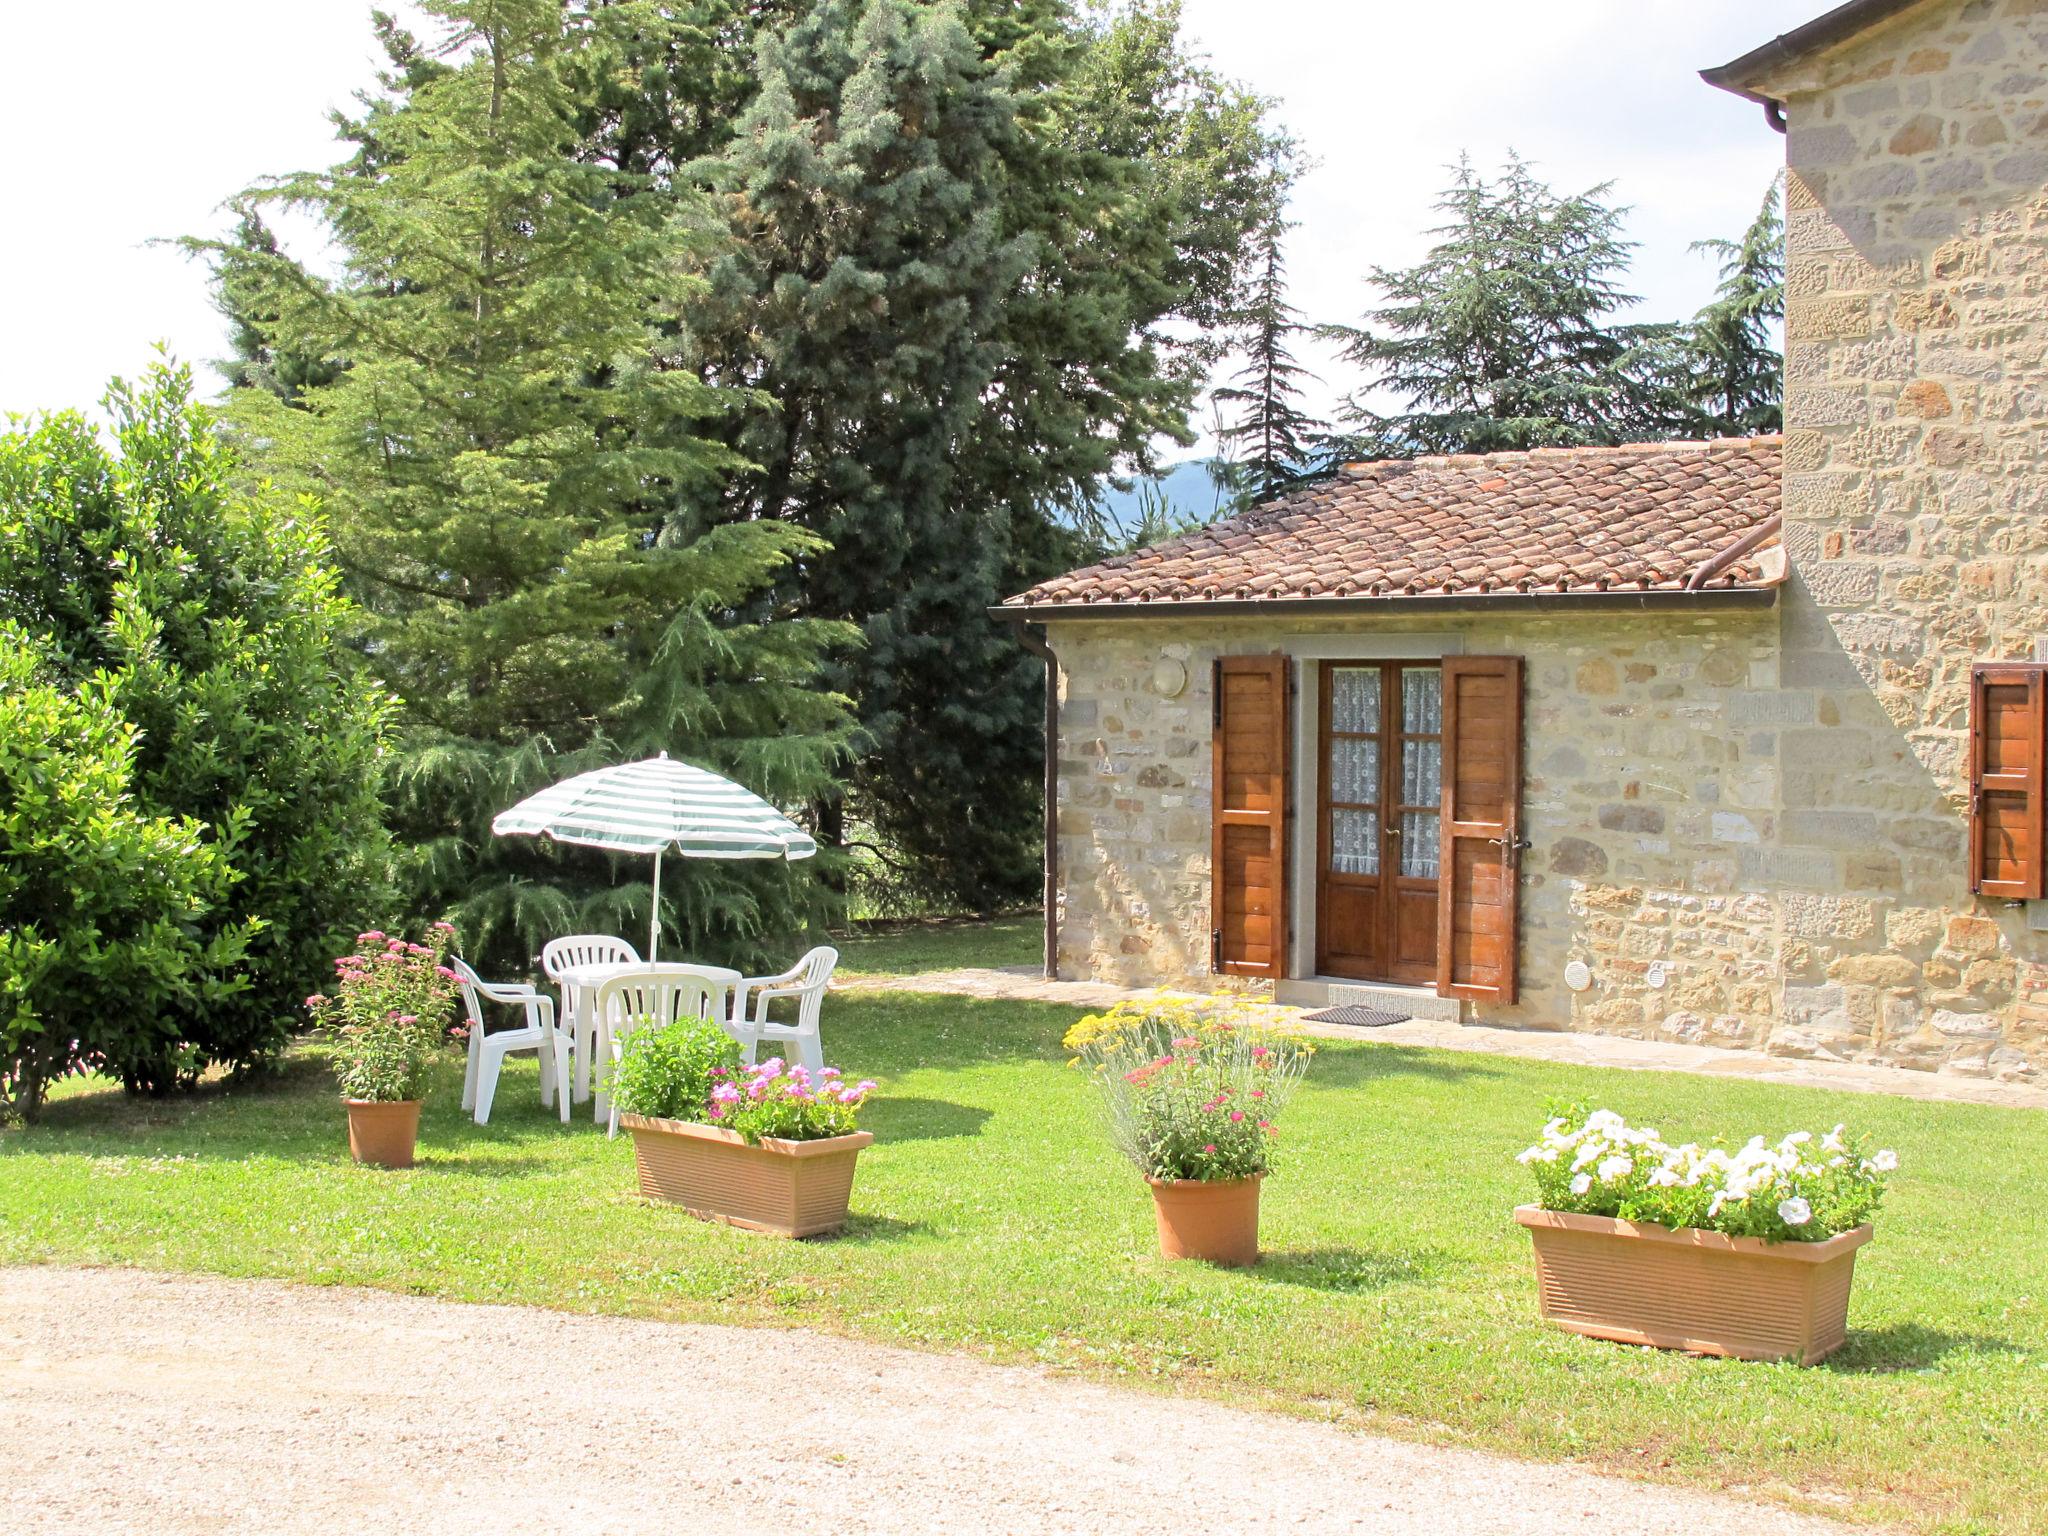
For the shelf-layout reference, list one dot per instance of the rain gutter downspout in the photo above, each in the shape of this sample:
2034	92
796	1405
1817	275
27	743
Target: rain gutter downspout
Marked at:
1037	645
1718	562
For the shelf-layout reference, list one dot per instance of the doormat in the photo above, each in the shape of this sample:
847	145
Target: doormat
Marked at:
1369	1018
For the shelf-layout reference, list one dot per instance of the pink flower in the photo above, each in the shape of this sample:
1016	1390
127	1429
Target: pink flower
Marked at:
865	1085
374	936
1210	1148
1258	1093
315	1000
445	927
828	1072
1237	1114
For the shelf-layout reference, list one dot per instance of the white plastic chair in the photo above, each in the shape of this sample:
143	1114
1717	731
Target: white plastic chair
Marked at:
581	949
805	982
487	1052
648	999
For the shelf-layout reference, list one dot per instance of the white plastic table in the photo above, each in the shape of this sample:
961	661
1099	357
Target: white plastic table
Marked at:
579	984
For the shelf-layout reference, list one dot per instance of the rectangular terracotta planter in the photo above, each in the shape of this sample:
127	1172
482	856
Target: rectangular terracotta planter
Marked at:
1687	1289
789	1188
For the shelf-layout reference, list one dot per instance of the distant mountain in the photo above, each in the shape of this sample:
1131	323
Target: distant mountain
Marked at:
1185	485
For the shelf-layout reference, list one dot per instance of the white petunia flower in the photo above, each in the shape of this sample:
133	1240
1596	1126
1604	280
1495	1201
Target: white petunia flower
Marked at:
1885	1161
1582	1183
1617	1167
1794	1212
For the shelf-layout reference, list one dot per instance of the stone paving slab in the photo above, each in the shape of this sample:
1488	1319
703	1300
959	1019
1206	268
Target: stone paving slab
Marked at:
1023	984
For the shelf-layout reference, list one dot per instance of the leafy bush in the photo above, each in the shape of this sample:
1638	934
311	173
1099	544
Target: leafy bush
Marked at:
787	1104
1191	1090
668	1071
209	619
107	914
1805	1189
389	1015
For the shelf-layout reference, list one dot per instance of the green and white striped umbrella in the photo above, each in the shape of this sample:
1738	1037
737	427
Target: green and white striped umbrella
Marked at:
653	807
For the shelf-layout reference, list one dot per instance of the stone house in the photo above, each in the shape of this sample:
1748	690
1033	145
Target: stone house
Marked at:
1738	743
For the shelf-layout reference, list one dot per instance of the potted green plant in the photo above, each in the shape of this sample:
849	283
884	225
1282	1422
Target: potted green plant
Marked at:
1191	1093
769	1147
384	1024
1748	1253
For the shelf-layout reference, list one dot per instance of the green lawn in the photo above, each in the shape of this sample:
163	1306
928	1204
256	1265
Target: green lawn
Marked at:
990	1217
918	947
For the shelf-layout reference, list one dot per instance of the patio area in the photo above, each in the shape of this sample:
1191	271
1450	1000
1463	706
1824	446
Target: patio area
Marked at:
1025	983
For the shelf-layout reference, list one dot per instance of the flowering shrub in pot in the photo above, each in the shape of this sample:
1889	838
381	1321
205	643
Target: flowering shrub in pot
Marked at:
1191	1091
768	1147
1748	1253
384	1024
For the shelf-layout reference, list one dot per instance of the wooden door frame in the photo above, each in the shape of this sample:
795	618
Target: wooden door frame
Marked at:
1389	736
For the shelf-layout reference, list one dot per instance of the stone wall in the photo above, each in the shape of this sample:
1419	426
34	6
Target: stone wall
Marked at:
1650	798
1917	522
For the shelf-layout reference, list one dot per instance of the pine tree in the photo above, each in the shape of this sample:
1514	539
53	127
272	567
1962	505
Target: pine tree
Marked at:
1503	335
1127	179
921	198
518	487
862	298
1735	375
1270	441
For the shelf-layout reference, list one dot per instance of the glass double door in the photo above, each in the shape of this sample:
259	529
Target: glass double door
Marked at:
1379	793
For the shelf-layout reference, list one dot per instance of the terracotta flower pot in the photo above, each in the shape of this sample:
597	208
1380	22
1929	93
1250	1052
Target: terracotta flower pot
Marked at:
788	1188
1215	1220
383	1134
1683	1288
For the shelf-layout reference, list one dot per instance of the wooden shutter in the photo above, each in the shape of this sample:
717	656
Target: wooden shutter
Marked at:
2008	748
1248	852
1481	828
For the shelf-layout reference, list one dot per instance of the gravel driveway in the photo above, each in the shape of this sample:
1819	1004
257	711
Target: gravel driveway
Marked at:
160	1404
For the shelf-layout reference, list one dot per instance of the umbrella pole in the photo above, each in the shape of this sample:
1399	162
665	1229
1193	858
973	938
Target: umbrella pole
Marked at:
654	917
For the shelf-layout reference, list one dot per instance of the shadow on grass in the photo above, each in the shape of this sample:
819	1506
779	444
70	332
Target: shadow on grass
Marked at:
1909	1347
1353	1270
863	1228
1354	1068
915	1119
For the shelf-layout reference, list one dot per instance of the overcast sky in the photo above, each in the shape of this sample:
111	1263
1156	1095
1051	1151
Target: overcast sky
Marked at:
133	119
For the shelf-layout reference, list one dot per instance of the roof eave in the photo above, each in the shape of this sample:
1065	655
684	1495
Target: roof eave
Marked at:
1705	599
1740	76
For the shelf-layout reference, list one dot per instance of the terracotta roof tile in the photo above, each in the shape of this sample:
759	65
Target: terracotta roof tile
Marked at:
1641	517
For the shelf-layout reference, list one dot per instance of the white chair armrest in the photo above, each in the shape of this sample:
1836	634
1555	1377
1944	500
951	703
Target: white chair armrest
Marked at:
505	991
